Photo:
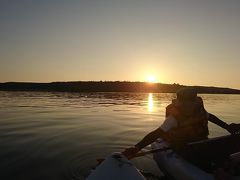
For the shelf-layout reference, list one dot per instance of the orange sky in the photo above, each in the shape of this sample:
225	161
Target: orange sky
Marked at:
184	41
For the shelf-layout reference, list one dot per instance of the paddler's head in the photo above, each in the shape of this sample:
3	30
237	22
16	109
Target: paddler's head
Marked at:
187	94
186	100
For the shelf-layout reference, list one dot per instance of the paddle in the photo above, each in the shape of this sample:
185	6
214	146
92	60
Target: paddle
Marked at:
151	151
143	153
167	148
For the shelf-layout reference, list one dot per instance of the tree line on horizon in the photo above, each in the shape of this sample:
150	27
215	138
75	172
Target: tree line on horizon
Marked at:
109	86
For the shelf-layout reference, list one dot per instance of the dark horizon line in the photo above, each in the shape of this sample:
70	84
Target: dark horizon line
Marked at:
115	81
110	86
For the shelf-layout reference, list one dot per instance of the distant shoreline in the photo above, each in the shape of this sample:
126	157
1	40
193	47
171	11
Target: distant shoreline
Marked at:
109	86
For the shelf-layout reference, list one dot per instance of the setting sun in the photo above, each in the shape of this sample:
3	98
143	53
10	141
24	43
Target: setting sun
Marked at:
151	79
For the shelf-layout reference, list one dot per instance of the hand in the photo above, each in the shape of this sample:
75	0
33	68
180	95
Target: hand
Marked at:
130	152
233	128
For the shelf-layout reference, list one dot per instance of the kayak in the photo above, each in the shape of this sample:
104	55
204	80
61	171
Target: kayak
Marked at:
117	167
174	166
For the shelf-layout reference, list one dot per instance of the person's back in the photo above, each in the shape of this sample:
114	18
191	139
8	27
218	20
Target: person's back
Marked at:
190	116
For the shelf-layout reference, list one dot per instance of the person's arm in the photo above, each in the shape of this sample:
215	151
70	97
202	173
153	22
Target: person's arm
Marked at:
212	118
169	123
232	128
148	139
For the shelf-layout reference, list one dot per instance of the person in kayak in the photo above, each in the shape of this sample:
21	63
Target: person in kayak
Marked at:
186	121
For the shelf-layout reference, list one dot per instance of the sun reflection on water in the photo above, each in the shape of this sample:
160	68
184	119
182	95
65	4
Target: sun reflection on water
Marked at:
150	102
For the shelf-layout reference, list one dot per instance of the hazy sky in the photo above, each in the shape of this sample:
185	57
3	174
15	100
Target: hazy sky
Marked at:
192	42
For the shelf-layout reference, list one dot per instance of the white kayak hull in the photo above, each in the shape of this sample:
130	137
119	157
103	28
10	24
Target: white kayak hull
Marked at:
175	166
116	167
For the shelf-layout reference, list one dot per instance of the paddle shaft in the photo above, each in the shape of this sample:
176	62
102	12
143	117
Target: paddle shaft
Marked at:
151	151
142	153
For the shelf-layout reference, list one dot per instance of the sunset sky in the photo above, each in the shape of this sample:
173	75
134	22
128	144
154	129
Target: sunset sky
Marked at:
191	42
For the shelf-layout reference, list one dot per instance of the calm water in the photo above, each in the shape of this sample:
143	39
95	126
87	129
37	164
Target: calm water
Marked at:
60	135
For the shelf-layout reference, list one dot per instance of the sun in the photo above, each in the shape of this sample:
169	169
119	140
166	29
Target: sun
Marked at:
151	79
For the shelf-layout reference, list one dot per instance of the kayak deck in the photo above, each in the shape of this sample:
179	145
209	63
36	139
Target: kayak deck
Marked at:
117	167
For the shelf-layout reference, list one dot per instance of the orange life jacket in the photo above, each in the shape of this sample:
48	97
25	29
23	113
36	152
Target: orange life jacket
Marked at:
192	122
